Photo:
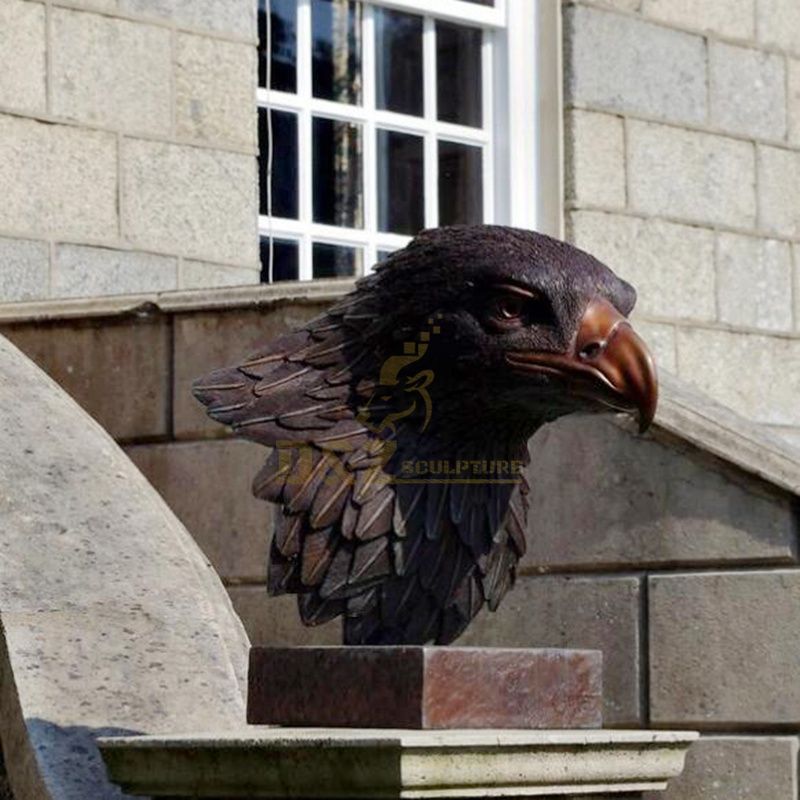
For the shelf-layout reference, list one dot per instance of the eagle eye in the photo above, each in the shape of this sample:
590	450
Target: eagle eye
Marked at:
511	307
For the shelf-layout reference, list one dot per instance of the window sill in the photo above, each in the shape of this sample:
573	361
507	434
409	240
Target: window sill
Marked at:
262	295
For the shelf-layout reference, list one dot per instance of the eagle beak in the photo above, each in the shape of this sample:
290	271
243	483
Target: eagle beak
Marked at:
609	363
614	353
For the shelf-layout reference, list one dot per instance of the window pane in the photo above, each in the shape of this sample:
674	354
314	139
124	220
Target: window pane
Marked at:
383	255
336	30
458	74
398	62
401	183
284	163
283	39
337	152
335	261
285	260
460	184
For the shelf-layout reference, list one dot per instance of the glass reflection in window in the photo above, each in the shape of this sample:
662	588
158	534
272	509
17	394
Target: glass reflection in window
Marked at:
458	74
335	261
398	62
337	152
336	50
460	184
283	41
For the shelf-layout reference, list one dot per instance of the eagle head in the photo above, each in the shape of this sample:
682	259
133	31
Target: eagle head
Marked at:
398	423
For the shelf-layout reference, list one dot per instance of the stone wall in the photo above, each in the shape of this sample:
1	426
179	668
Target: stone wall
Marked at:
682	568
683	173
127	143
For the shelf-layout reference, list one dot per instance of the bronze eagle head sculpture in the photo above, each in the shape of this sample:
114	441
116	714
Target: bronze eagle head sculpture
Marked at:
399	422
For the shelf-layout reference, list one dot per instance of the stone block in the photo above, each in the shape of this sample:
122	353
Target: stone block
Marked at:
754	282
793	98
741	371
118	371
22	56
91	271
275	621
206	341
661	341
24	270
779	190
733	18
199	203
695	176
722	649
748	91
640	501
779	24
644	251
207	485
202	275
232	17
595	158
57	180
111	72
736	768
641	68
574	612
215	87
425	688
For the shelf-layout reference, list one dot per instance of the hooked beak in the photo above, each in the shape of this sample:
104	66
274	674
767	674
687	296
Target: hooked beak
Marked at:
609	364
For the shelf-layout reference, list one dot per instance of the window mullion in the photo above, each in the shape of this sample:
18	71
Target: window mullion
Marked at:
487	55
370	171
431	165
305	176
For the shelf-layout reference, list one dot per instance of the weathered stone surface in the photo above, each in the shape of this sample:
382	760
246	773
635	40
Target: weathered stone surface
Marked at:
233	17
297	762
91	271
701	625
57	180
202	275
595	161
754	282
793	98
736	768
695	176
779	190
641	67
779	24
196	202
734	18
644	251
24	269
748	90
118	372
661	341
215	83
209	340
22	56
207	485
275	621
602	496
111	72
593	613
111	619
740	371
425	687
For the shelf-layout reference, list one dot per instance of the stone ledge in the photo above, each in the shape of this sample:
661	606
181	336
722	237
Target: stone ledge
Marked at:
334	762
255	296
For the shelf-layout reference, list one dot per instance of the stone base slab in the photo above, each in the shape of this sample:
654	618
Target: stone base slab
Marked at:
425	687
330	763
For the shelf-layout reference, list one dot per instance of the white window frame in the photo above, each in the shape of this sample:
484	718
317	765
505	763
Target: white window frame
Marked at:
514	165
